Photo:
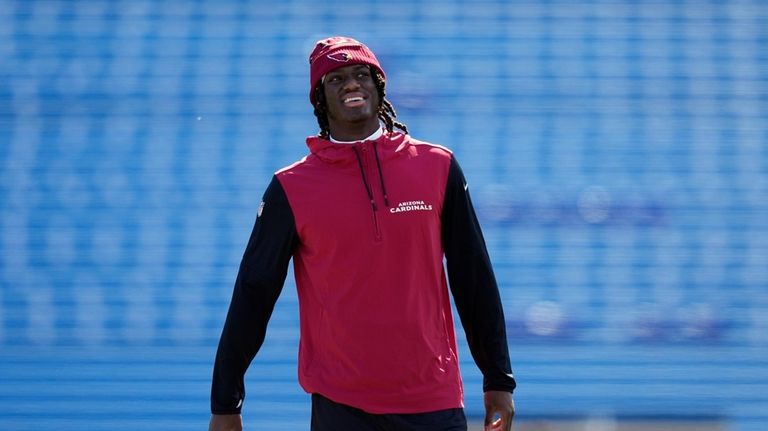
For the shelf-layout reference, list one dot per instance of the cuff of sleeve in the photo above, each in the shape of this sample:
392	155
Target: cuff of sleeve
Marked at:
225	411
507	384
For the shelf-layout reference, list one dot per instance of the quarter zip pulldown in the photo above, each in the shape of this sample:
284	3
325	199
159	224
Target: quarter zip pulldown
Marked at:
365	179
367	185
369	188
381	175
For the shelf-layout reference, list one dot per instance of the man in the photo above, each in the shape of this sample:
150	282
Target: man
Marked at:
367	217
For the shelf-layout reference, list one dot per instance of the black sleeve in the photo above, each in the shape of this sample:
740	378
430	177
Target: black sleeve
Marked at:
259	281
473	285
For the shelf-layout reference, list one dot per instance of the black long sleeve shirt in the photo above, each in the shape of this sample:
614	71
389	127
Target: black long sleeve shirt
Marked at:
263	270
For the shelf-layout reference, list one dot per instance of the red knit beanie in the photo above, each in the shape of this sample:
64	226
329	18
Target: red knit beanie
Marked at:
333	53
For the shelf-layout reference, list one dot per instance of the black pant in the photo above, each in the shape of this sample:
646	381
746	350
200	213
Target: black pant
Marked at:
329	415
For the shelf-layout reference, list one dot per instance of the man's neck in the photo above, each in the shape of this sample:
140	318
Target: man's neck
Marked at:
372	137
353	132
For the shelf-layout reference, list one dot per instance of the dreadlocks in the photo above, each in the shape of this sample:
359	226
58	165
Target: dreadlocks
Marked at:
386	112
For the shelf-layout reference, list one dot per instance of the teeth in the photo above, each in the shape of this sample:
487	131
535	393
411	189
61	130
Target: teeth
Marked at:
353	99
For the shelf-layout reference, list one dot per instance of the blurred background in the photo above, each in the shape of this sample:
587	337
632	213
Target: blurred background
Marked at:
617	153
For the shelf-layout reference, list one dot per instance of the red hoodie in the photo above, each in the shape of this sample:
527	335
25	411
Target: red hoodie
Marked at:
376	325
367	226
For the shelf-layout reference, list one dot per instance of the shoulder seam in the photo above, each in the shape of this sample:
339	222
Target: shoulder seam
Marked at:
291	166
429	144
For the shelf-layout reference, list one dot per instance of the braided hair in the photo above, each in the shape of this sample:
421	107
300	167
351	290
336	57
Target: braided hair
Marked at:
386	111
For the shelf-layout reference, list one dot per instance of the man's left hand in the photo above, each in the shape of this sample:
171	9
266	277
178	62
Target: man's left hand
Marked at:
498	403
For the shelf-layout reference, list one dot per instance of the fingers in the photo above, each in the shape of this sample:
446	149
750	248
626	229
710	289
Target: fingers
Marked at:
499	410
505	422
493	426
500	424
488	421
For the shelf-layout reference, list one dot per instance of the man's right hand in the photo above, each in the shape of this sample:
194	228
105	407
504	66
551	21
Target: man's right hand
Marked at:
226	423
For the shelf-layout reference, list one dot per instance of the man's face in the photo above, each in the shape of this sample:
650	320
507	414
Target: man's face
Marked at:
351	96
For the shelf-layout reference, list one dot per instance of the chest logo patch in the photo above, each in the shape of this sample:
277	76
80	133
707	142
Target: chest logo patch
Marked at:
410	206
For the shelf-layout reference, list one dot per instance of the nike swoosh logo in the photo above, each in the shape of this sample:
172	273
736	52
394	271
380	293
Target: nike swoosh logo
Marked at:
465	186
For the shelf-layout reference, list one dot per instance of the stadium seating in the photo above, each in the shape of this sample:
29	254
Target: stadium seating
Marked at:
615	150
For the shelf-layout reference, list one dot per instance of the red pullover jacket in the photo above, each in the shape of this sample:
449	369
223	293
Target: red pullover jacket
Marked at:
367	225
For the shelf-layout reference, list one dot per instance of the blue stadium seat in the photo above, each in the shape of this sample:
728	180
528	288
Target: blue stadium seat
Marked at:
615	153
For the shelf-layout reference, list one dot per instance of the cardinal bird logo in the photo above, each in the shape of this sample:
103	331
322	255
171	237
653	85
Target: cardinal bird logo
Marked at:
341	57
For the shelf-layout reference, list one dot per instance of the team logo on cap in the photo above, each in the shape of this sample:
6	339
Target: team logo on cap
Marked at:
341	57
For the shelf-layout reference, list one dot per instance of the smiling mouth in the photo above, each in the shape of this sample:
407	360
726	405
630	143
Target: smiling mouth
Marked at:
353	101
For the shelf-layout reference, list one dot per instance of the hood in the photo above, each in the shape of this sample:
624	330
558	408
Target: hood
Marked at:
327	151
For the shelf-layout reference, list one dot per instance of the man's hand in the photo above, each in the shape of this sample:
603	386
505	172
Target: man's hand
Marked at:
498	403
226	423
